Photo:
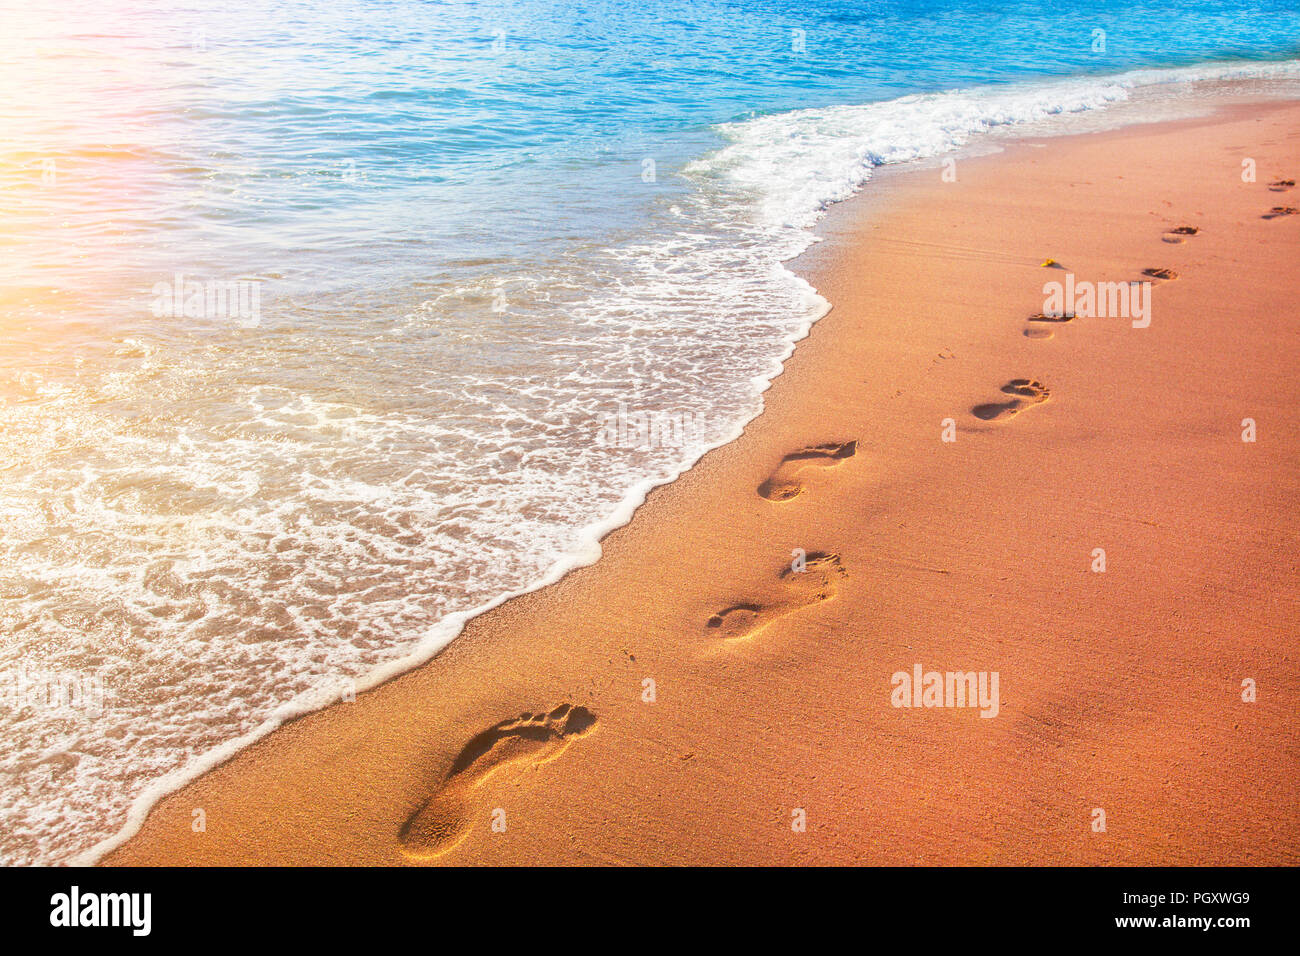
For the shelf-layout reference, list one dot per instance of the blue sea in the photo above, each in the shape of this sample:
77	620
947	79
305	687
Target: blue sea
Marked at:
325	326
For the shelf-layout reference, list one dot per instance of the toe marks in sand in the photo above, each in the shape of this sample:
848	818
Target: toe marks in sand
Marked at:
1025	393
784	483
816	582
529	739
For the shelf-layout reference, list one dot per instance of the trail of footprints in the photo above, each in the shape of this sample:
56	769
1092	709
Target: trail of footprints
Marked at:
530	740
449	813
815	579
1027	392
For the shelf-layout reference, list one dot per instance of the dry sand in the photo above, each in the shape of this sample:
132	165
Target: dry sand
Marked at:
1119	691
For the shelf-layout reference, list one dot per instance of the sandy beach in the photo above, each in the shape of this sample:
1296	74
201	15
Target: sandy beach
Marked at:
1100	510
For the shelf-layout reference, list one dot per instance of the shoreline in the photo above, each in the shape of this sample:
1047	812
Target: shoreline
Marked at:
431	747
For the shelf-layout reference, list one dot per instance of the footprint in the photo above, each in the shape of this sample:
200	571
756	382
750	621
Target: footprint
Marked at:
817	582
1168	275
1282	185
1281	211
1033	333
443	821
739	620
783	485
1180	234
1027	392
